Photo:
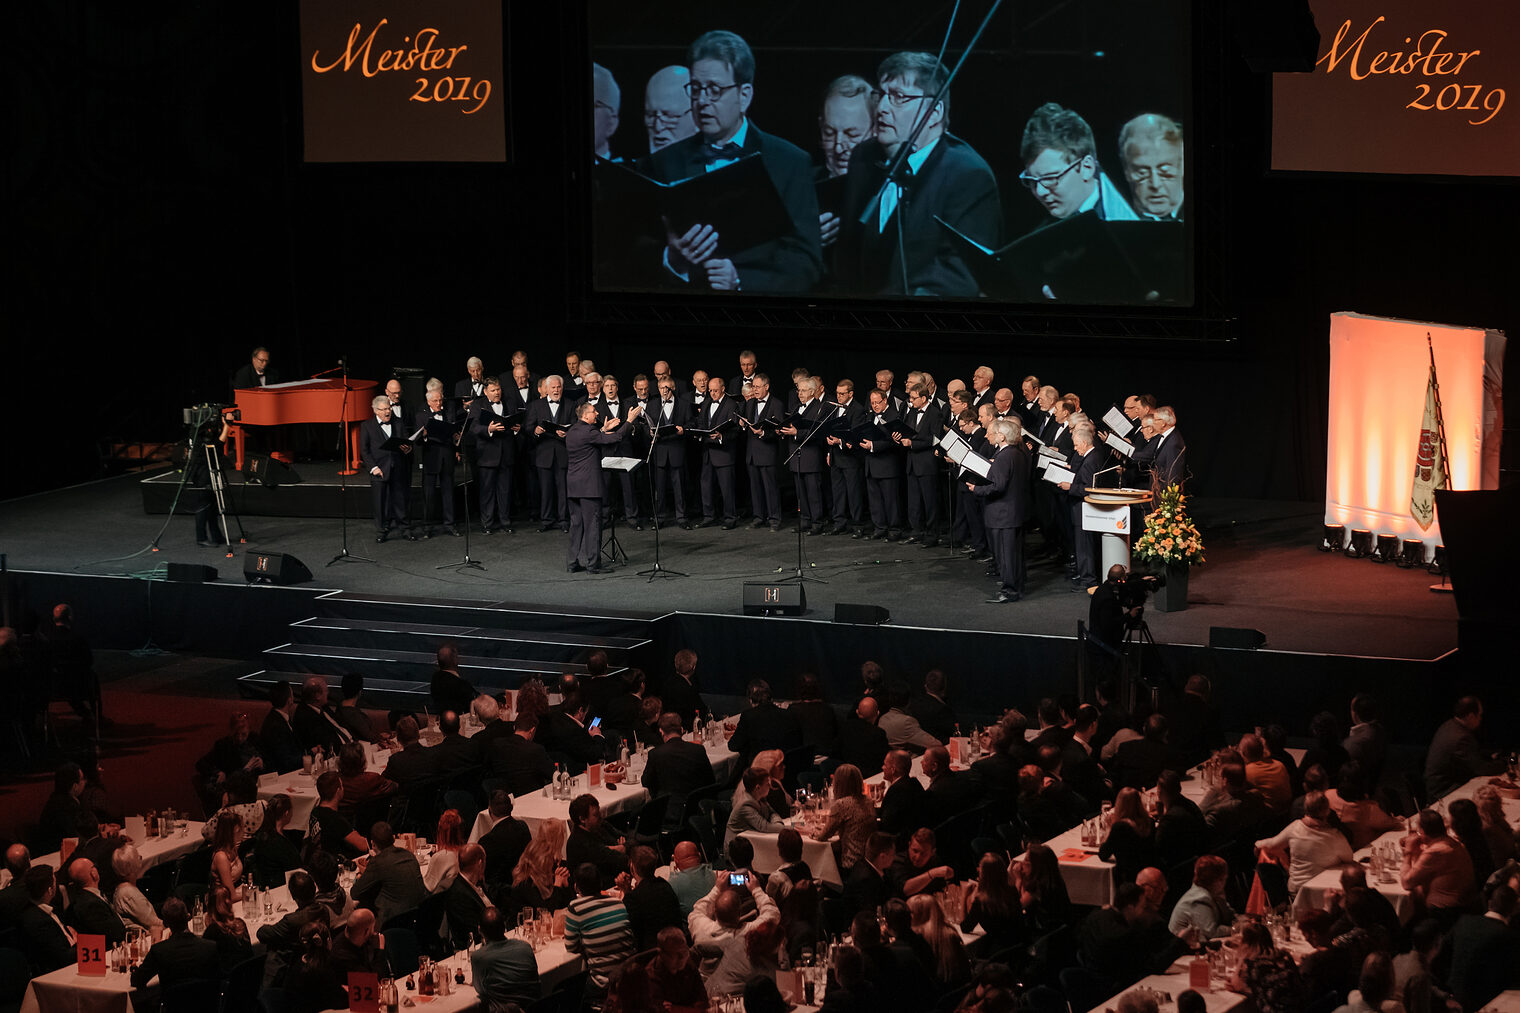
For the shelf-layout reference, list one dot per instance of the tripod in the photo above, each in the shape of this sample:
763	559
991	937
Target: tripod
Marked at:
218	484
344	556
800	574
1138	632
656	570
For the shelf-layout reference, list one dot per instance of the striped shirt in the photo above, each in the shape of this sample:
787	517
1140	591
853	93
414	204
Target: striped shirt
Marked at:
597	928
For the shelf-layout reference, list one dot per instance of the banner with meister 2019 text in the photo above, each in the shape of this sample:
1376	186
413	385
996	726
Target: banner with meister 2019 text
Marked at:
403	81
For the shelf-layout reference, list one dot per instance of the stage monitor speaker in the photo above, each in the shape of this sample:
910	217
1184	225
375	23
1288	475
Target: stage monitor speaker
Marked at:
864	615
774	599
194	573
269	472
274	568
1236	639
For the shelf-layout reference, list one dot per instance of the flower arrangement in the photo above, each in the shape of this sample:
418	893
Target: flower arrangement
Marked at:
1170	535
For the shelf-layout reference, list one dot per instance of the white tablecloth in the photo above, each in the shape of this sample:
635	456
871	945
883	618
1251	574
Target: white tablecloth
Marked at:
65	989
1174	982
154	850
819	855
1504	1002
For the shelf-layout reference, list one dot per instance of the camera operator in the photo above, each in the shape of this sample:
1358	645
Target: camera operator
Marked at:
205	440
1117	604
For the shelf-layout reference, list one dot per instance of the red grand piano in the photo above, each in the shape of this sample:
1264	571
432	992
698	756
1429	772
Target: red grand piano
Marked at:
319	400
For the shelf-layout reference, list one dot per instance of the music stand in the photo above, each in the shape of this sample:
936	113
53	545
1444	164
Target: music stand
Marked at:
467	463
611	547
657	570
800	573
344	556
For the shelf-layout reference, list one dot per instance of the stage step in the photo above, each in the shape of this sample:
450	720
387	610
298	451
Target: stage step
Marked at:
477	641
424	610
377	692
498	673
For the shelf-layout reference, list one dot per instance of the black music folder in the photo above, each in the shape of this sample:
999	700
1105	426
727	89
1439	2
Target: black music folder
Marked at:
831	195
739	200
1083	259
702	433
442	430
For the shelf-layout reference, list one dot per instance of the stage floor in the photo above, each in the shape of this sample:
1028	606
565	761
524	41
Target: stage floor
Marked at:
1262	572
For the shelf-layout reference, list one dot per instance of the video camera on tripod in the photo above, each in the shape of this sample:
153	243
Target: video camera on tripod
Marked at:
1132	592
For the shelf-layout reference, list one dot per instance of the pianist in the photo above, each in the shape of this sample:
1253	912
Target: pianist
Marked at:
255	373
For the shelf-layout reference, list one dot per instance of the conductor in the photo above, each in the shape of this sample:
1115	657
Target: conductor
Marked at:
583	484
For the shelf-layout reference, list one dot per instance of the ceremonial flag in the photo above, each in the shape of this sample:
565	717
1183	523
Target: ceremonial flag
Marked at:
1430	462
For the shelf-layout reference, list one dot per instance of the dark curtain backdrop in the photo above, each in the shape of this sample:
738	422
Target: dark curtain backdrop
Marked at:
160	223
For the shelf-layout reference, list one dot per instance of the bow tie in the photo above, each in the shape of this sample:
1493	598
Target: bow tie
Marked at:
721	152
553	403
612	404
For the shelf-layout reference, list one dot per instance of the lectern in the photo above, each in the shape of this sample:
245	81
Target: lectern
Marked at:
1108	512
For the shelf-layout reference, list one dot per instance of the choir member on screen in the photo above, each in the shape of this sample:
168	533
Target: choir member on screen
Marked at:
1061	167
721	89
848	117
667	110
900	248
607	100
1151	147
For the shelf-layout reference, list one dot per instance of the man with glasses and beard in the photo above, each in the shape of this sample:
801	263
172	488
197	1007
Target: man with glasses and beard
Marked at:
900	249
721	89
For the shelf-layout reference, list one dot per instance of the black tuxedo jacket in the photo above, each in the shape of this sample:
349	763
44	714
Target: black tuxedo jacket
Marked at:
677	768
91	914
792	263
902	808
437	455
1169	464
178	958
583	450
955	184
765	727
721	452
1085	468
464	908
861	743
504	845
47	944
312	729
810	456
245	377
371	437
492	450
1006	495
846	456
525	765
278	744
670	449
921	460
549	448
681	697
885	458
762	450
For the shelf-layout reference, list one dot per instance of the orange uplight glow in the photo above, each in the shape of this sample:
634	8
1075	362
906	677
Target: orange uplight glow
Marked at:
1378	373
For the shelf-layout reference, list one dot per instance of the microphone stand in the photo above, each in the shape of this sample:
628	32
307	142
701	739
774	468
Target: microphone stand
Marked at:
344	556
800	574
473	564
656	570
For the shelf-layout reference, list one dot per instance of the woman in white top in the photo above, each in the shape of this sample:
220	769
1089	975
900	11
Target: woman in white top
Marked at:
1310	845
443	868
127	899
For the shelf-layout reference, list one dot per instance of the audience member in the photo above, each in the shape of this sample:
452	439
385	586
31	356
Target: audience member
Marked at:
593	841
465	901
597	928
504	970
1131	840
1455	757
391	883
179	957
763	725
126	898
505	842
1310	845
740	949
1267	975
851	816
274	853
1203	910
1437	867
650	901
690	877
859	742
541	879
1483	950
676	767
674	980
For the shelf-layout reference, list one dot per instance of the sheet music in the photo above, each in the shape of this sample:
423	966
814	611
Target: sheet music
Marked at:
1118	422
621	463
976	463
1121	445
294	383
1055	474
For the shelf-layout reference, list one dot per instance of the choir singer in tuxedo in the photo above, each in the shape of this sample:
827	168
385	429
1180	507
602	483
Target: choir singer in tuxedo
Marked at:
390	474
900	241
583	484
1005	501
721	89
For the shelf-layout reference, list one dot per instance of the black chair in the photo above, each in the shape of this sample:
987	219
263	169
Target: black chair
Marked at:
372	811
953	837
798	761
565	999
193	868
714	813
401	945
195	996
429	923
702	833
242	992
650	826
1084	988
15	973
693	801
277	1000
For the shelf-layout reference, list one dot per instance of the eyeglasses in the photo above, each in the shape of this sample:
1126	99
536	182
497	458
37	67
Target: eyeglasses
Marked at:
1142	174
653	118
710	92
898	99
1049	180
599	104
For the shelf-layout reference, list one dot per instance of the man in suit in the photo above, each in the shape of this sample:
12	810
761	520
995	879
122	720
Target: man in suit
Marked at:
676	768
1005	498
949	791
667	426
455	753
591	842
934	714
859	740
1455	757
719	454
89	911
923	502
495	427
900	249
884	471
1139	762
808	455
721	89
763	726
1085	464
866	887
620	491
48	942
1151	147
412	766
391	882
902	808
439	454
390	476
256	372
1367	741
474	384
465	901
314	725
679	692
180	956
847	466
1483	949
565	733
1167	450
583	486
762	450
517	759
542	428
279	747
1061	168
505	842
